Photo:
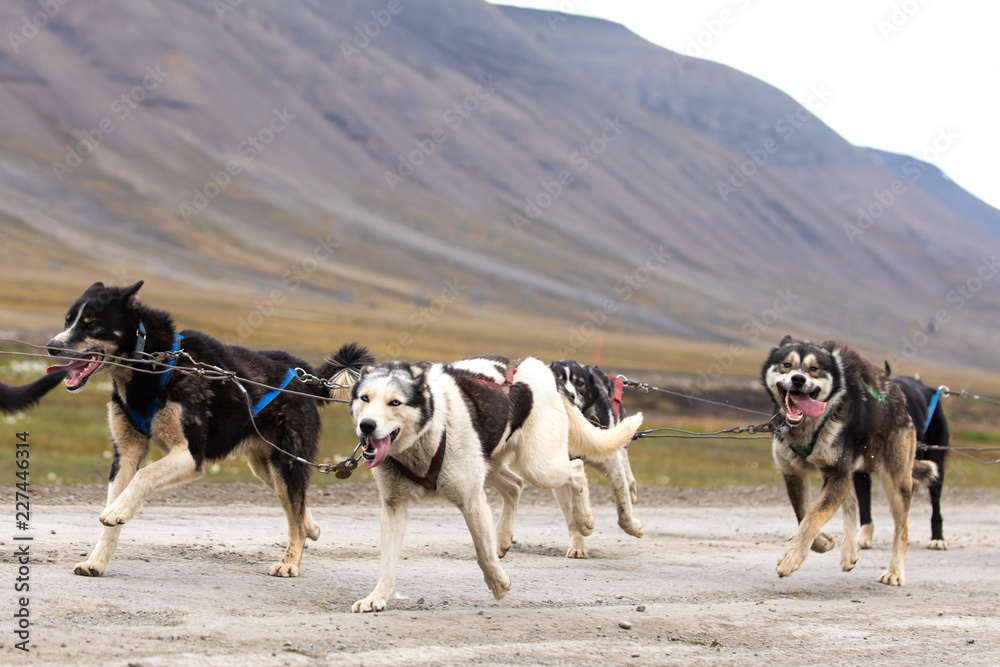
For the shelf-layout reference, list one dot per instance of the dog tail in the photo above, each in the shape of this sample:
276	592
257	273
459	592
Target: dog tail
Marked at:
925	472
14	399
590	441
345	367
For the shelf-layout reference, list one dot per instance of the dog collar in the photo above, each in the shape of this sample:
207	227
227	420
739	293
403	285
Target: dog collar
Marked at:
878	397
140	341
428	481
806	452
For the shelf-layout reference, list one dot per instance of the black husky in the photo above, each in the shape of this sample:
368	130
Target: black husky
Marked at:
196	420
15	399
932	430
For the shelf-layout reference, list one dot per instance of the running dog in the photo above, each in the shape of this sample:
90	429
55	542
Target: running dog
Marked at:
196	420
450	429
932	430
599	398
16	399
840	414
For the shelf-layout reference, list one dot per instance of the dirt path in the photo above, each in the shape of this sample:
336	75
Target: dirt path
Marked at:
188	586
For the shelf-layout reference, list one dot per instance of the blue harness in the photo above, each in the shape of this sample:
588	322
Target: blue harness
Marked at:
144	420
931	406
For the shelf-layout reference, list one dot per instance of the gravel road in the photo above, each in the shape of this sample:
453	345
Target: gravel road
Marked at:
188	586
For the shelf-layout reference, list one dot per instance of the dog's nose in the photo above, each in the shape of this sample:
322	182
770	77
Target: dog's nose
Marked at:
54	348
798	380
367	426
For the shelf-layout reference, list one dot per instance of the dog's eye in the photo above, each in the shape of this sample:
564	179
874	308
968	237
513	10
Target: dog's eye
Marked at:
786	366
579	382
393	403
814	369
364	398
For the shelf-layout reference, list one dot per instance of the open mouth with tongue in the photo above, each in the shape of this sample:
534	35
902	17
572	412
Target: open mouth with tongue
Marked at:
375	450
79	370
799	405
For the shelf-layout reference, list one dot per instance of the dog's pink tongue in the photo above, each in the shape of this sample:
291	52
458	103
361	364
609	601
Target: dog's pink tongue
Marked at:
72	366
810	407
381	447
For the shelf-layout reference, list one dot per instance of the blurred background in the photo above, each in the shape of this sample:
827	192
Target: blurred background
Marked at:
436	179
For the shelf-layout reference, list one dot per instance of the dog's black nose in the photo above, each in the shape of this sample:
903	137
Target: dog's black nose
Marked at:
367	426
54	348
798	380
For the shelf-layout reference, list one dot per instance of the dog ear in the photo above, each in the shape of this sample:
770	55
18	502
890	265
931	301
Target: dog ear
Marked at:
829	345
419	370
785	341
888	369
129	292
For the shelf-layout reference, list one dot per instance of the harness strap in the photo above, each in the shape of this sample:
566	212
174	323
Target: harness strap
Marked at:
616	398
266	399
878	397
508	381
805	452
144	420
428	481
931	407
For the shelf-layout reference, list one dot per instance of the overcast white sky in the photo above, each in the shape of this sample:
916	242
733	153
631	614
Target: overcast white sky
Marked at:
900	71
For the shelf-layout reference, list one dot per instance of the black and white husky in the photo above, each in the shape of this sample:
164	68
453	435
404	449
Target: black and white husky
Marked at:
450	429
194	419
599	398
837	414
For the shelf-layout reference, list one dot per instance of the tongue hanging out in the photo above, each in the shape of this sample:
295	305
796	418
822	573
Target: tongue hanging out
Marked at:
376	449
798	404
79	370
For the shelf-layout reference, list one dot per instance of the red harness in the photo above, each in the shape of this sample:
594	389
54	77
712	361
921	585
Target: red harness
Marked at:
616	398
428	481
508	381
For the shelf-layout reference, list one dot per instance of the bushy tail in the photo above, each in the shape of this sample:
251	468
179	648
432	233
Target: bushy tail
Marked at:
344	368
590	441
925	472
14	399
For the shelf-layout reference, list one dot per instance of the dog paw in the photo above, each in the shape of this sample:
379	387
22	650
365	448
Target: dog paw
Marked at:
633	527
865	536
369	604
284	570
790	561
115	516
504	541
577	552
88	569
848	559
822	543
499	585
938	545
892	578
